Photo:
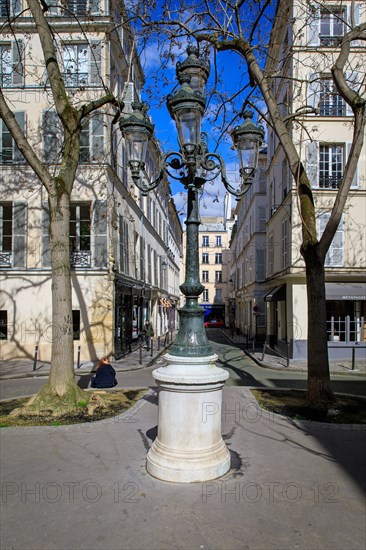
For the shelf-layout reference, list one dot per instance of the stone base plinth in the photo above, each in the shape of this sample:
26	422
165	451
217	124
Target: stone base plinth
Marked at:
189	447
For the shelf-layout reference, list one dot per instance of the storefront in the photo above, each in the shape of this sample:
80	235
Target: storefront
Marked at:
132	308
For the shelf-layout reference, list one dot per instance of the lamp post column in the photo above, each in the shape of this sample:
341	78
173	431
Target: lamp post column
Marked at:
191	340
189	447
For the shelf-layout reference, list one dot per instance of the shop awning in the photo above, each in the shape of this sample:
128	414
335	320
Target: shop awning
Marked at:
276	294
164	302
345	291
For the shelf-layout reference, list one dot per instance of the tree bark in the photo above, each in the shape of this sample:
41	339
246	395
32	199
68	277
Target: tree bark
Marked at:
62	372
319	384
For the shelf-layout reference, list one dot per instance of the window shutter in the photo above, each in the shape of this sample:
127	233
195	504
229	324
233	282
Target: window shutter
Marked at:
97	129
356	13
334	255
261	265
313	28
312	162
262	218
354	183
128	97
17	155
17	7
18	62
95	61
335	252
95	7
50	136
19	233
313	90
353	80
46	248
100	234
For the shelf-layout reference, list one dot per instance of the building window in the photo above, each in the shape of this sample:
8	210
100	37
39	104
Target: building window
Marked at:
205	295
331	103
270	254
6	228
13	229
335	254
76	324
284	243
205	240
330	166
218	276
3	324
6	65
92	140
205	258
82	64
142	259
218	295
218	258
124	253
218	240
80	234
205	277
331	25
149	268
9	152
83	7
10	8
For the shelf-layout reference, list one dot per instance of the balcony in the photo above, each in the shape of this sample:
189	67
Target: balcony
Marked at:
80	259
75	79
5	259
329	182
330	41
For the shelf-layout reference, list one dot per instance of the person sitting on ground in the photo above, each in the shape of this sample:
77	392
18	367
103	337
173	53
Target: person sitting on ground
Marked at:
105	376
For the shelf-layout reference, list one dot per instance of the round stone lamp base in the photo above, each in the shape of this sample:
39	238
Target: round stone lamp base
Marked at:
189	447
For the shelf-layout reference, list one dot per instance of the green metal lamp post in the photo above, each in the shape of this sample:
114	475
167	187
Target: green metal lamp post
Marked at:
190	360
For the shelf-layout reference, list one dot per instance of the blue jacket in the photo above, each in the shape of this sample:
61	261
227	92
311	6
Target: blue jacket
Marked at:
105	377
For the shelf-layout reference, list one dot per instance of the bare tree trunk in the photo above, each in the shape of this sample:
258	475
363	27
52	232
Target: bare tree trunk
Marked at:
319	385
62	371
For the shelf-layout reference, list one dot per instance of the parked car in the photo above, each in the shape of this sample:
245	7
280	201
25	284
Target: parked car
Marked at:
217	323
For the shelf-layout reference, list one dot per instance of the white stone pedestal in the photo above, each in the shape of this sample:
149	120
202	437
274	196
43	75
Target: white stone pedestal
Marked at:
189	447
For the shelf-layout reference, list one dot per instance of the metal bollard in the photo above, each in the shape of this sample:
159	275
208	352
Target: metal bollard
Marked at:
140	358
264	349
78	359
288	354
151	347
158	343
35	357
353	357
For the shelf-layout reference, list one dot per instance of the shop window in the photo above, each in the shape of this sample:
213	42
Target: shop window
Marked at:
76	324
3	324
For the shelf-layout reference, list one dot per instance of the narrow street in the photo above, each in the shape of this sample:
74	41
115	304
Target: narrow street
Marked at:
243	372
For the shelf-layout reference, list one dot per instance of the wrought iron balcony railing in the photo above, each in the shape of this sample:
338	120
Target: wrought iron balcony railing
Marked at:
80	258
5	259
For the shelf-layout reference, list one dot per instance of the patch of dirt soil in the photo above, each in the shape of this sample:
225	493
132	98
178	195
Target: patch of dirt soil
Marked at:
114	402
293	403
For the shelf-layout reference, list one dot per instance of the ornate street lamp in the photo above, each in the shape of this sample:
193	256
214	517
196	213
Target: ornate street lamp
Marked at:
189	446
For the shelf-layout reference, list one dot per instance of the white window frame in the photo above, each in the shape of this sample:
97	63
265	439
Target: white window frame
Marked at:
205	276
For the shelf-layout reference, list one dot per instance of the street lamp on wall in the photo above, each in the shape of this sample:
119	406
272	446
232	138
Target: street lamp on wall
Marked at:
190	362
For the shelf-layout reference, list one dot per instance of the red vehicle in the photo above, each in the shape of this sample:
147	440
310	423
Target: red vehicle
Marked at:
214	323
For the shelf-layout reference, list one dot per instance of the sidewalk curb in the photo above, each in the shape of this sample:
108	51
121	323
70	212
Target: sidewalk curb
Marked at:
80	372
293	369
